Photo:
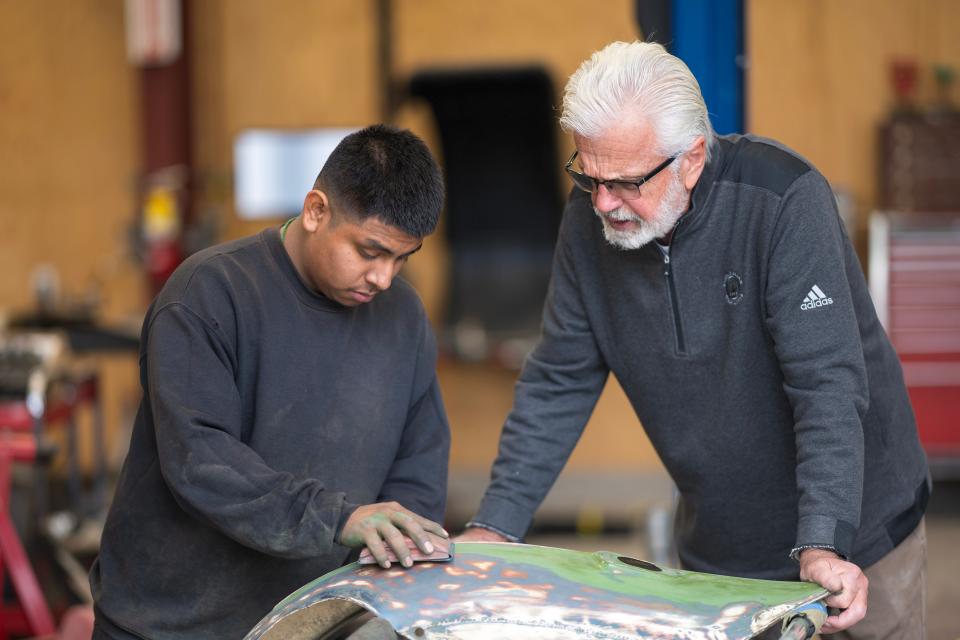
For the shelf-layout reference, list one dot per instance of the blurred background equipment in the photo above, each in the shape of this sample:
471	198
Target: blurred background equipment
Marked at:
156	44
53	460
920	146
915	283
914	248
498	145
42	388
27	364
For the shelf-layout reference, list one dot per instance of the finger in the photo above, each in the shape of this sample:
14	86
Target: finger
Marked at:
857	590
829	626
435	528
838	601
430	525
841	598
854	589
823	574
830	581
847	618
377	549
411	526
397	543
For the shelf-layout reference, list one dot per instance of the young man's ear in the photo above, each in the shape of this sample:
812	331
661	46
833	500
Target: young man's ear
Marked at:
693	162
316	210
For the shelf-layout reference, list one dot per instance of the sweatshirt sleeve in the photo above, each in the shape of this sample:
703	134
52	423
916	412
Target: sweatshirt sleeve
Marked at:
556	392
811	318
418	477
211	473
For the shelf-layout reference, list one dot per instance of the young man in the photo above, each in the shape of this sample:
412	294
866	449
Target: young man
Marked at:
290	408
713	277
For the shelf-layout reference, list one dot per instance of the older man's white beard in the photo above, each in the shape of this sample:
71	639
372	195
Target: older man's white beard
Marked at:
672	206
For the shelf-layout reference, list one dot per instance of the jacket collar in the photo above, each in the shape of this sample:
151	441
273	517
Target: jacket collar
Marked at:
704	187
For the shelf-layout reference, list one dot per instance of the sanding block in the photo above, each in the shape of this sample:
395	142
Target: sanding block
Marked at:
442	552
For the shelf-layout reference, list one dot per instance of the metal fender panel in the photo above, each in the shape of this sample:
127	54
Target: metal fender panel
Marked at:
524	591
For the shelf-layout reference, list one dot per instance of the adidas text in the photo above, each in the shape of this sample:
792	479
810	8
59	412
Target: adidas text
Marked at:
816	303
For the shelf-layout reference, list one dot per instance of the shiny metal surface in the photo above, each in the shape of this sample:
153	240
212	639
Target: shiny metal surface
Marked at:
525	591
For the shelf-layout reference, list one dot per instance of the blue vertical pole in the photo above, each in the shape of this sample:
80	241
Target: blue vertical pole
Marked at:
708	36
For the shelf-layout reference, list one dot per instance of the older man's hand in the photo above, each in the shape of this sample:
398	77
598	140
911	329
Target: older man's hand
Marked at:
479	534
844	580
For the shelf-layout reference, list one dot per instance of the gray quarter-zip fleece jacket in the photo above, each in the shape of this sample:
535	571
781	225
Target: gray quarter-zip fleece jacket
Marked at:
752	355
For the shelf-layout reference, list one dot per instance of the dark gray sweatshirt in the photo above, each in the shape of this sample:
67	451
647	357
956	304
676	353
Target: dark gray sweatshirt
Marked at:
752	355
269	413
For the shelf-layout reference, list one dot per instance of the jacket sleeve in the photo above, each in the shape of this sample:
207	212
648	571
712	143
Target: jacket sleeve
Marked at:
418	477
556	392
210	472
813	324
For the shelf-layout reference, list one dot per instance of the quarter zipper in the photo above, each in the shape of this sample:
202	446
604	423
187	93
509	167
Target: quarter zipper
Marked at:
672	293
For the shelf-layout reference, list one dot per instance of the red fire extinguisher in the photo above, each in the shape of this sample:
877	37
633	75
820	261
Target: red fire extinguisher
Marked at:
160	228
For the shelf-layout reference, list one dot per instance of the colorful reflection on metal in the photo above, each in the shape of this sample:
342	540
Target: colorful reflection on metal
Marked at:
524	591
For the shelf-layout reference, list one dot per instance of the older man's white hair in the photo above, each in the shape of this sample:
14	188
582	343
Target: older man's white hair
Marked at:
643	78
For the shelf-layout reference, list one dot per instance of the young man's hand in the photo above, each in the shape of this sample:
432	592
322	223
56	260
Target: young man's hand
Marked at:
843	579
386	523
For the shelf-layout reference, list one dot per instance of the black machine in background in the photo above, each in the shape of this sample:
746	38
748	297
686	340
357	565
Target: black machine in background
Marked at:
654	20
498	139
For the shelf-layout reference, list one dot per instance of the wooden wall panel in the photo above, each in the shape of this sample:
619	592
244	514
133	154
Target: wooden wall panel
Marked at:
285	64
819	76
68	147
68	163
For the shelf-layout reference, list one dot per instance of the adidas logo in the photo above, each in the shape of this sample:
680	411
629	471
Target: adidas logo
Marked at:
816	298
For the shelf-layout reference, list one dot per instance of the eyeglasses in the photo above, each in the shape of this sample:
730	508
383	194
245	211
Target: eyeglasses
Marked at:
622	189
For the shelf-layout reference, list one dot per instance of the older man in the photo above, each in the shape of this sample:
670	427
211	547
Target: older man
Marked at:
290	411
713	277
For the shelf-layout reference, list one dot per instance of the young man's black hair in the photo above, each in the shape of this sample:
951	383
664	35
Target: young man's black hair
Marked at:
388	173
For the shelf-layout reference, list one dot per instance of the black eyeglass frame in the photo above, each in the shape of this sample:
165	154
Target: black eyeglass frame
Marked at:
576	176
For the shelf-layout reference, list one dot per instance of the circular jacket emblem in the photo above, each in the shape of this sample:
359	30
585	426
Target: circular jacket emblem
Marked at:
733	287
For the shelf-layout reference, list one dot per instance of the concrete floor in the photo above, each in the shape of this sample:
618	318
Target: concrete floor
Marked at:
943	562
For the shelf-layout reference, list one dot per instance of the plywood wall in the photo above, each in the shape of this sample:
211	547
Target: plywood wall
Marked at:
68	145
819	76
286	64
68	158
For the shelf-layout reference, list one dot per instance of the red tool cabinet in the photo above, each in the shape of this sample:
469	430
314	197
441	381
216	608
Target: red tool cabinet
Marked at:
914	272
